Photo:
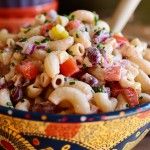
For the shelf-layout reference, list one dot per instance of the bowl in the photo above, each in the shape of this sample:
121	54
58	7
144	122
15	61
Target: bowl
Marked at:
120	130
18	13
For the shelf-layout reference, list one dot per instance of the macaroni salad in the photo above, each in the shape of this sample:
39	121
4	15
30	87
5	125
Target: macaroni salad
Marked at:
72	65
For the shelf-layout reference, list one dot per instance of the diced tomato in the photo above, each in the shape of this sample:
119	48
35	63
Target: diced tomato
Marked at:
120	39
131	96
45	28
73	24
116	89
129	93
28	69
112	73
69	67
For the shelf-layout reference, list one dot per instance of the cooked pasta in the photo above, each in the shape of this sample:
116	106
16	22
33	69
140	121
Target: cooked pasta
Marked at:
5	98
72	65
33	91
77	50
58	81
122	103
23	105
51	65
74	96
104	103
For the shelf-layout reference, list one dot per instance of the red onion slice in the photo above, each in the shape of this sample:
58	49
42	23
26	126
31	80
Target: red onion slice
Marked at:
30	49
43	47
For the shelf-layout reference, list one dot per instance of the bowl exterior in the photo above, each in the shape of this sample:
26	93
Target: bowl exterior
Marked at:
121	133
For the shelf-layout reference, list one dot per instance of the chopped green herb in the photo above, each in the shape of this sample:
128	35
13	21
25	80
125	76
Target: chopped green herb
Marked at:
100	46
18	48
70	53
48	50
65	15
23	40
77	35
98	32
101	62
27	30
47	21
95	30
72	83
45	40
141	97
86	29
84	66
96	19
22	100
99	89
44	13
12	64
72	17
9	104
37	43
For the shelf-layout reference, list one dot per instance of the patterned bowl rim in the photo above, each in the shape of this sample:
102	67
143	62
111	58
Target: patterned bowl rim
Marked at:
58	118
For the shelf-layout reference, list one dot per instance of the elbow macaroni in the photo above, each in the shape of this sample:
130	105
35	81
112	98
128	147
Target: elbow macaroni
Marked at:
61	45
77	50
51	65
23	105
33	91
104	103
85	88
5	98
83	15
74	96
58	81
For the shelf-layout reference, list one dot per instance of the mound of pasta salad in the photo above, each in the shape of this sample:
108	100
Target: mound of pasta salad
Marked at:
72	65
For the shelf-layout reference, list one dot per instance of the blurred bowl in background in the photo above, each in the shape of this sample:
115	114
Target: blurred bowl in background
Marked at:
17	13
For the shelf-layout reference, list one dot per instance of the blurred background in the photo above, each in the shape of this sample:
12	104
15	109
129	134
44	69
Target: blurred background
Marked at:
139	24
14	13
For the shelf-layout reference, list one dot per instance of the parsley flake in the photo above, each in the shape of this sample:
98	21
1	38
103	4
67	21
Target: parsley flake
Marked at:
70	53
71	82
44	13
37	43
77	35
23	40
127	105
141	97
96	19
48	50
27	30
84	66
99	89
72	17
45	40
86	29
9	104
12	64
100	46
18	48
47	21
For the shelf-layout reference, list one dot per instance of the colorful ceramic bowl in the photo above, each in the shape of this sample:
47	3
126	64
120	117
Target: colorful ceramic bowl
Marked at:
120	130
